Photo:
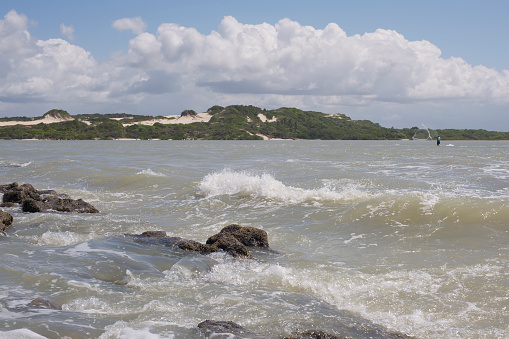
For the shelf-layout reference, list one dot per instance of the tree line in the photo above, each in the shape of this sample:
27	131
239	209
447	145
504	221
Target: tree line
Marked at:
236	122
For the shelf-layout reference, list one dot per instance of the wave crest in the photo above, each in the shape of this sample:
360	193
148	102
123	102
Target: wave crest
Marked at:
228	182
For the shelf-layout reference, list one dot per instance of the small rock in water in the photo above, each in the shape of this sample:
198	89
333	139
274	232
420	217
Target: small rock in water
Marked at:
5	220
43	303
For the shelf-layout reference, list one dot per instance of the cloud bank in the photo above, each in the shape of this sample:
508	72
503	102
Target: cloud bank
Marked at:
277	64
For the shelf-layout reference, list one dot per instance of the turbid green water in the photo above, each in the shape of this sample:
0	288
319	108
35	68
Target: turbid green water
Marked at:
403	235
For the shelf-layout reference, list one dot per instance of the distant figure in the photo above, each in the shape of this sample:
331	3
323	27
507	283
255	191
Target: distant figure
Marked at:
438	140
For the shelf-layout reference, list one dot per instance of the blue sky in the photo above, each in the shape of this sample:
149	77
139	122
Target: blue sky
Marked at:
398	63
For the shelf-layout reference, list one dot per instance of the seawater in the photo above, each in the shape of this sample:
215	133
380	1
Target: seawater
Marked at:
399	234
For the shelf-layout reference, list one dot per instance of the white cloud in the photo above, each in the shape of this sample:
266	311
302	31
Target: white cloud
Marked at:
136	25
67	31
286	64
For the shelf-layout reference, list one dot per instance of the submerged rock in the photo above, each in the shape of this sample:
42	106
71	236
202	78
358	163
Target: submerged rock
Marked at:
217	328
5	220
233	239
43	303
33	201
313	334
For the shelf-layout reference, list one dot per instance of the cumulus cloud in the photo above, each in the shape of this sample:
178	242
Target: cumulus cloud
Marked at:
286	63
136	25
291	59
67	31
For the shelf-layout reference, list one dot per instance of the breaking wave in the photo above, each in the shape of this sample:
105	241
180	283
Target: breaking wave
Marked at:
239	183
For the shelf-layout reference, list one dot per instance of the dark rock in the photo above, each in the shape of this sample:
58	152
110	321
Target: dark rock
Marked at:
233	239
248	236
222	326
17	194
32	206
7	187
13	193
5	220
313	334
7	204
156	234
69	205
43	303
195	246
228	243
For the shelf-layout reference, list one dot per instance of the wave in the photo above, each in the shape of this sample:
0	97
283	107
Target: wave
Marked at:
149	173
9	163
243	184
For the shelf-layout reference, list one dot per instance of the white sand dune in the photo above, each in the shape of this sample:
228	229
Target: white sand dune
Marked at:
45	120
174	119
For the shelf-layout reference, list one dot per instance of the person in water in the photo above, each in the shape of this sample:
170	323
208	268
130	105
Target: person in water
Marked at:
438	140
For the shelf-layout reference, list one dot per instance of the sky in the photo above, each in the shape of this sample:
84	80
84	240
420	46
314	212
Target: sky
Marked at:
401	63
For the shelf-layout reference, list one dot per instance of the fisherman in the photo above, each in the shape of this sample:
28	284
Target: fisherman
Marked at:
438	140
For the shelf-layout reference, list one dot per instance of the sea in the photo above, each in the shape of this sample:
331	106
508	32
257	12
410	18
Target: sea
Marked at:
367	239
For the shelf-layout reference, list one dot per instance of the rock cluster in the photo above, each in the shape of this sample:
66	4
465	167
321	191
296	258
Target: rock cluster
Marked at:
233	239
33	200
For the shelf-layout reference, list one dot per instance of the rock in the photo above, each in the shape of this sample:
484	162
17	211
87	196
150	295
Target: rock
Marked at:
156	234
32	206
5	188
313	334
217	326
34	201
228	243
233	239
248	236
7	204
5	220
18	194
194	246
68	205
43	303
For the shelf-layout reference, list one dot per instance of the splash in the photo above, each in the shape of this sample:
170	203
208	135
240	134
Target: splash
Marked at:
228	182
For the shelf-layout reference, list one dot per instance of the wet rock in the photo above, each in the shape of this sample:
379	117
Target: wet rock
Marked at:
34	201
43	303
7	187
248	236
5	220
194	246
233	239
7	204
217	326
156	234
228	328
32	206
313	334
228	243
68	205
17	194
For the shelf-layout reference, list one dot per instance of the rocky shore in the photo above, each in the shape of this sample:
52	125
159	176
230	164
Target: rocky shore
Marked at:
234	240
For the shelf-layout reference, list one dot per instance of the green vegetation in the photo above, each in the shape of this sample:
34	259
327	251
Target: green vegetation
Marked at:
234	122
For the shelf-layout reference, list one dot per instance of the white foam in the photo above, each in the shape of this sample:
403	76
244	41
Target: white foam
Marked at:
148	172
8	163
228	182
21	333
122	330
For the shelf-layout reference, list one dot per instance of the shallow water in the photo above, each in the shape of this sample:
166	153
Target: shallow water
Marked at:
399	234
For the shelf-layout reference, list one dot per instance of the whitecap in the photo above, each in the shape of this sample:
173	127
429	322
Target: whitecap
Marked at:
150	173
228	182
